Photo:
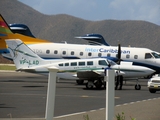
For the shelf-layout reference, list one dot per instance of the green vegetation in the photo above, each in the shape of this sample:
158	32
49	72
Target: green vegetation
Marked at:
86	117
7	67
122	117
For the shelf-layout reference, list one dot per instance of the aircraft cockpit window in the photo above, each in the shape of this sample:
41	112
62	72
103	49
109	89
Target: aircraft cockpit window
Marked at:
64	52
102	62
89	54
156	55
73	63
72	53
111	62
47	51
89	62
148	55
81	53
81	63
55	52
99	54
135	56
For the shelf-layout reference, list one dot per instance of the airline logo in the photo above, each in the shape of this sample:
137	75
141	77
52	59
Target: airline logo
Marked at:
106	50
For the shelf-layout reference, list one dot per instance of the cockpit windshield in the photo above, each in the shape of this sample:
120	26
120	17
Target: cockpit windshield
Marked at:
111	62
103	62
156	55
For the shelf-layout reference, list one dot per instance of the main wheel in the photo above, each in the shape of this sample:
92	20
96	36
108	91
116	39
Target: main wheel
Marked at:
137	87
89	85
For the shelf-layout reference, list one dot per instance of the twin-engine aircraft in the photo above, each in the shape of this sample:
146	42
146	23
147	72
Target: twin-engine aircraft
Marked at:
91	70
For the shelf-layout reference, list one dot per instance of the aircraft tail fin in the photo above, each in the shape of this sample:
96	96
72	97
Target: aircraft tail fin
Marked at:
4	28
22	55
94	39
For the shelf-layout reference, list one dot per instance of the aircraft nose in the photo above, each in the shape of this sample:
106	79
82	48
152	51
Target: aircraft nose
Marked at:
151	70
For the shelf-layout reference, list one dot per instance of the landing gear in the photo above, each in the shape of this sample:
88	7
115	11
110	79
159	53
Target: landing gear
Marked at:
137	86
89	85
97	83
80	82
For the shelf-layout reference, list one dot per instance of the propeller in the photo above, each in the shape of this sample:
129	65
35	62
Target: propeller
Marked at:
119	54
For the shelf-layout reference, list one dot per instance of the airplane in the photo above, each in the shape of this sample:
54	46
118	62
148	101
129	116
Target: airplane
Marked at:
91	70
6	33
48	50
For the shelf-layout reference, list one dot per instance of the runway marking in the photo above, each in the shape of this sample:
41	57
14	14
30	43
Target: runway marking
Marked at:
137	101
103	108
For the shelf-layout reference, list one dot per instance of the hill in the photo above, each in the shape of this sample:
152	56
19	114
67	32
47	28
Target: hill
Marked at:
64	27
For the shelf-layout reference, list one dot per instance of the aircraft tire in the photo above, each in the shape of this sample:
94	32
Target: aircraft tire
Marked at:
89	85
137	87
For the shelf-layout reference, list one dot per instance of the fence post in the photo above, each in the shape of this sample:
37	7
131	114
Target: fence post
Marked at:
110	93
51	93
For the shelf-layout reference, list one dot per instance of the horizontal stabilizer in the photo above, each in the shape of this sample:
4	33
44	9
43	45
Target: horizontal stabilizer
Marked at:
94	39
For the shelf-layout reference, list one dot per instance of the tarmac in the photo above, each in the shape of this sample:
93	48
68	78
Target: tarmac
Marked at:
140	110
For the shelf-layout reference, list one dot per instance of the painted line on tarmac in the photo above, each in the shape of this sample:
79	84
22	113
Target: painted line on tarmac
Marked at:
137	102
103	108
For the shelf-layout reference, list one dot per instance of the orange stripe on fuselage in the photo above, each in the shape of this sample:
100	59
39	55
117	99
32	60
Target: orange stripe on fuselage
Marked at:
25	39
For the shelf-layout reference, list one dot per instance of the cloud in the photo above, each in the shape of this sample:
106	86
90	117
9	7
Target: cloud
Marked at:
148	10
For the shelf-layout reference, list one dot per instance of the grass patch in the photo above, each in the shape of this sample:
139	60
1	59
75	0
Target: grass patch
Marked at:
7	67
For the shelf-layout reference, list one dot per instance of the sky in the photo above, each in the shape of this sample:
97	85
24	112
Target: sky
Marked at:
96	10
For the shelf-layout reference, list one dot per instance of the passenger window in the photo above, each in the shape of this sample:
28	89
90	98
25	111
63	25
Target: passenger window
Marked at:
148	55
81	63
72	52
60	64
55	52
81	53
73	63
127	56
47	51
89	62
135	56
89	54
99	54
108	55
64	52
66	64
102	62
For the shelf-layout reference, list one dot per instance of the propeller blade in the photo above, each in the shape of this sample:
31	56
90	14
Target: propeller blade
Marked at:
119	53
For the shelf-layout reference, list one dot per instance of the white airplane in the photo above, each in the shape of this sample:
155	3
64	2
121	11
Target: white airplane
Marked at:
91	70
